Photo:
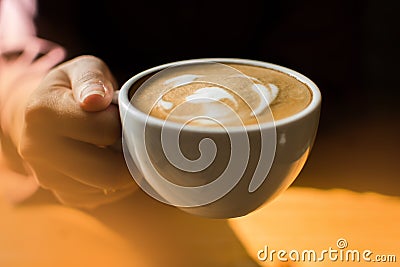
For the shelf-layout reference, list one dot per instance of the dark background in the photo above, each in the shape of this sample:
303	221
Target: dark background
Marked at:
348	48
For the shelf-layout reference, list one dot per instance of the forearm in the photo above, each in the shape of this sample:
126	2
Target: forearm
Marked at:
16	181
13	102
21	70
20	75
17	82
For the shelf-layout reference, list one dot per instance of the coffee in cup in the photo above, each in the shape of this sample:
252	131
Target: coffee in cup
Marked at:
264	89
217	137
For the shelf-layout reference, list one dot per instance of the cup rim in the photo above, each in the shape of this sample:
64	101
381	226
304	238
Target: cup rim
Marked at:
124	102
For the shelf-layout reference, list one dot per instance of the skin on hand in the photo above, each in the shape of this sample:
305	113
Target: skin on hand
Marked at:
21	70
69	126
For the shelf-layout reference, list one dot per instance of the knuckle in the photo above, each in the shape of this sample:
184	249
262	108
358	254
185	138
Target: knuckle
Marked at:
89	69
91	61
88	58
89	75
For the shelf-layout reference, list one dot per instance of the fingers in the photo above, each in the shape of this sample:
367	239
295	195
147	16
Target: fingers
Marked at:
67	118
51	53
53	109
91	81
56	108
93	200
97	167
101	128
51	179
50	59
29	53
73	193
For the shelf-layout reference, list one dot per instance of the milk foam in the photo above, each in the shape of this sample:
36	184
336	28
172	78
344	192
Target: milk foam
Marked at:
210	94
182	79
231	95
210	101
267	96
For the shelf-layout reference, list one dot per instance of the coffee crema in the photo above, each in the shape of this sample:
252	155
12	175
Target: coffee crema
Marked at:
220	94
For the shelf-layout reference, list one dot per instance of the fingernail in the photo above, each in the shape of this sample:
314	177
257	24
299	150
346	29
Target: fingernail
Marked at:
89	89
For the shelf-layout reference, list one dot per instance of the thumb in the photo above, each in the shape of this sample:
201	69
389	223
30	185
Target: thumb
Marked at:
91	81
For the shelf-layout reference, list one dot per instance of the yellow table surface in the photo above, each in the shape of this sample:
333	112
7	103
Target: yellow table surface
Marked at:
310	219
302	218
140	231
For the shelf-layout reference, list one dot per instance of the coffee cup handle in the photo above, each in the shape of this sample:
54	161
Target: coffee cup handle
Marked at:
117	145
115	97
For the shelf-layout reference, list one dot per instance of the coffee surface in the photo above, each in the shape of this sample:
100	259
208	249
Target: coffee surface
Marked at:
215	94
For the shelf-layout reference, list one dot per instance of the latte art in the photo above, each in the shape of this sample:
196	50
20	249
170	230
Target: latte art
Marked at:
212	101
220	95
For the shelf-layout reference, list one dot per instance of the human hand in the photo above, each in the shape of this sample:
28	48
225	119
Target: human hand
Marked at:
68	129
22	67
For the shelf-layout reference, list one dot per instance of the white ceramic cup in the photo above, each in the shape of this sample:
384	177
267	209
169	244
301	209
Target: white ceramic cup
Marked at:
255	177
